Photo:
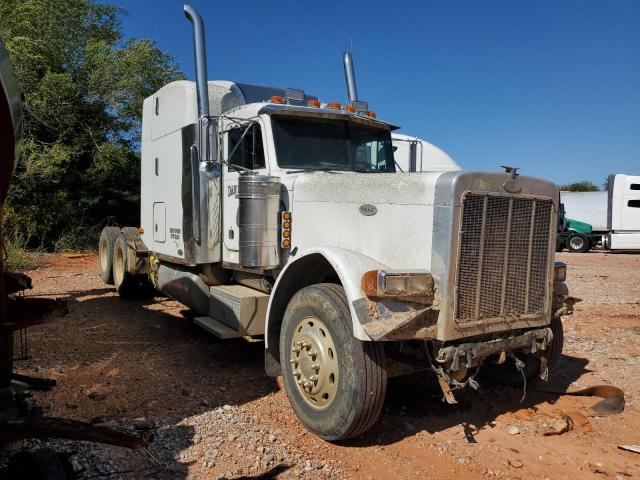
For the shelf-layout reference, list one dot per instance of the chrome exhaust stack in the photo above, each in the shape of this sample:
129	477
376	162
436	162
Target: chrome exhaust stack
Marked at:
201	237
207	135
350	77
200	54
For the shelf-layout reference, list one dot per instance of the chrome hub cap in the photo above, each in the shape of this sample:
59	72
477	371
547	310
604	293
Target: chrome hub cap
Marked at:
576	243
314	362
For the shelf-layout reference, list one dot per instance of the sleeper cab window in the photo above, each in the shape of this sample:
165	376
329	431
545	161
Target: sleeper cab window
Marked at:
250	153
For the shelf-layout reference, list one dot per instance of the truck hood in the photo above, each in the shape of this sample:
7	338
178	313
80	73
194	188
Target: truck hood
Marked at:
386	216
415	188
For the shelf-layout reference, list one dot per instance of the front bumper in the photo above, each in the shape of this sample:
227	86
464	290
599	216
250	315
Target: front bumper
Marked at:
469	355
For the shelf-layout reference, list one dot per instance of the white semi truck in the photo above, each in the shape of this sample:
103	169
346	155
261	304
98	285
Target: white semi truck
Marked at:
275	216
614	215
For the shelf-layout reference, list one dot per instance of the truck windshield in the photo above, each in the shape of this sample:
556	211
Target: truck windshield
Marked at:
327	144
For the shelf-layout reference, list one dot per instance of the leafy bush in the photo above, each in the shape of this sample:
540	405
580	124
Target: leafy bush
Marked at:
84	85
583	186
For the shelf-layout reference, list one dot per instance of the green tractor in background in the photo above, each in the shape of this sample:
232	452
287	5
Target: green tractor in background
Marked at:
575	236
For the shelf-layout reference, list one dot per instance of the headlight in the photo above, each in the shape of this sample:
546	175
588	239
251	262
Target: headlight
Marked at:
560	272
381	283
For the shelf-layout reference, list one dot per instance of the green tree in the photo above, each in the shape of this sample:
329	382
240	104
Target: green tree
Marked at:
84	85
583	186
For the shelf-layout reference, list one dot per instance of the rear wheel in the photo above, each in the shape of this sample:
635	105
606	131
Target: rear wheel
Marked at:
108	238
336	384
127	284
508	374
578	243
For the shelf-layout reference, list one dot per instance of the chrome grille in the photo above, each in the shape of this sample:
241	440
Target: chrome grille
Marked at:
504	257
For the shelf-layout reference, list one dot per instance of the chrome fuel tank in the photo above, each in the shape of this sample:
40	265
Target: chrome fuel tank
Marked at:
258	221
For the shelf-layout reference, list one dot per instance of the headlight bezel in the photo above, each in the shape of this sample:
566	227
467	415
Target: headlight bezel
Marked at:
398	284
559	272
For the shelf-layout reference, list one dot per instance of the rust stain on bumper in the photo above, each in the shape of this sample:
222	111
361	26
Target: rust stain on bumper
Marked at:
386	320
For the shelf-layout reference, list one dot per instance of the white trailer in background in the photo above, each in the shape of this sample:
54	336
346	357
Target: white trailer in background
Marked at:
614	215
587	207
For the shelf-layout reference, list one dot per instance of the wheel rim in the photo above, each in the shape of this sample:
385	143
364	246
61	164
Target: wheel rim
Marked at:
104	261
314	363
118	273
576	243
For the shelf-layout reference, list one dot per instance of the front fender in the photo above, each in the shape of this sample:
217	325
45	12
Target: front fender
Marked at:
313	265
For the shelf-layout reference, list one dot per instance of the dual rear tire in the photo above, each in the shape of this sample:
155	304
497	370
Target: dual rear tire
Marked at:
108	238
117	260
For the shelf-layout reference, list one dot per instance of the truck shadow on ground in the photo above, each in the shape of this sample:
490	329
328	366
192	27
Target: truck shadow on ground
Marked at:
118	359
134	358
415	403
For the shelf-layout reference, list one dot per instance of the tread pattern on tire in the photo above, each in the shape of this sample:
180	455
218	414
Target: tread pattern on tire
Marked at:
111	234
375	376
556	344
130	285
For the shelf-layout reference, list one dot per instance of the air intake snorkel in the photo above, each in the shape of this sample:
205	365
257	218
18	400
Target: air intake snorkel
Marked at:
207	137
350	77
352	92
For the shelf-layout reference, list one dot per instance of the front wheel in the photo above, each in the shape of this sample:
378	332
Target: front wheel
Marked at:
336	383
508	374
578	243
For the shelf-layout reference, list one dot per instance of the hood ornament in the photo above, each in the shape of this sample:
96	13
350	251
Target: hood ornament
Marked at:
513	171
512	186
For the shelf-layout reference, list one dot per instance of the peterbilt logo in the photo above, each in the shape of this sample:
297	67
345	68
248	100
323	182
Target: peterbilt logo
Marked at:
368	210
512	186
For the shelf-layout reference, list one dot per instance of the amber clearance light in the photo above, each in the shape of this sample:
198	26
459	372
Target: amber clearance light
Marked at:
285	229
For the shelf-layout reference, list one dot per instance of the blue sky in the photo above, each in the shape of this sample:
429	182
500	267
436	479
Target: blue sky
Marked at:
551	86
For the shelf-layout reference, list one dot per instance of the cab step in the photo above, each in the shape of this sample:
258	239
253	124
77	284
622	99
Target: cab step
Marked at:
240	308
219	329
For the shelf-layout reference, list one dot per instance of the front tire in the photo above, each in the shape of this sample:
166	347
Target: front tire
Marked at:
336	383
508	374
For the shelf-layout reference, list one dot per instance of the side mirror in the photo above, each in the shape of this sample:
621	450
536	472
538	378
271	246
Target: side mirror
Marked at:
208	140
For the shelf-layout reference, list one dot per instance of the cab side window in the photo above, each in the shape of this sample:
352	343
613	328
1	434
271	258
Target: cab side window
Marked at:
250	153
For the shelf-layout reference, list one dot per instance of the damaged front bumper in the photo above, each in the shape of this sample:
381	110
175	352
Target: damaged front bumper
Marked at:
469	355
454	362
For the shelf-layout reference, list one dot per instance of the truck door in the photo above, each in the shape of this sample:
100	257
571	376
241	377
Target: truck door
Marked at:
249	154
